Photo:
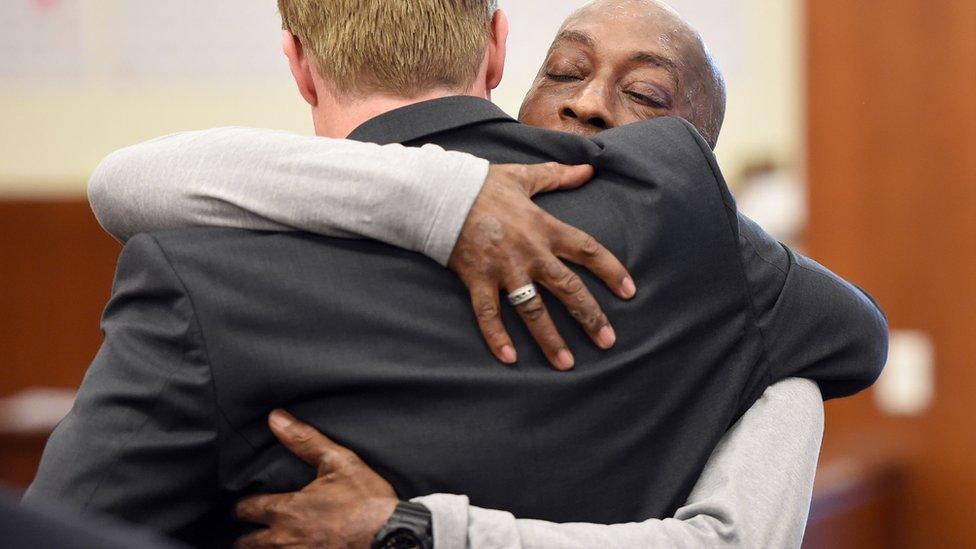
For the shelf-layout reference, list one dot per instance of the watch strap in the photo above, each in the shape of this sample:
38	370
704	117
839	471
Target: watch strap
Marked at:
409	520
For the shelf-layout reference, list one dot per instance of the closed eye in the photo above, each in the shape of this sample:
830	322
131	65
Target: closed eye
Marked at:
562	77
647	100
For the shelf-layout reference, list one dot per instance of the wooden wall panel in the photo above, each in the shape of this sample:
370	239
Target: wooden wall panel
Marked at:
56	269
19	457
892	171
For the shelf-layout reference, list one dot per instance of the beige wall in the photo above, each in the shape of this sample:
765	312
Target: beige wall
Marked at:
765	116
55	131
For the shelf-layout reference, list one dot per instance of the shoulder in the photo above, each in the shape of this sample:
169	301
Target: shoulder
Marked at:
223	256
670	155
665	136
208	246
162	245
667	149
178	251
201	237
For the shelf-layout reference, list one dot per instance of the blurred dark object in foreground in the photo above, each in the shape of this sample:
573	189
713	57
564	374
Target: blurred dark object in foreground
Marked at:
56	528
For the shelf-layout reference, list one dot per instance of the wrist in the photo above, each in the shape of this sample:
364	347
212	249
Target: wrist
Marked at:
409	527
453	208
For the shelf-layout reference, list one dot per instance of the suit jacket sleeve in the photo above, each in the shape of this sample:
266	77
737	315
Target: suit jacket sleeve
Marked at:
815	324
140	442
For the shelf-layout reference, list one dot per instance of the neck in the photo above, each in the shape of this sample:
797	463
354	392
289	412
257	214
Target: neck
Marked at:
338	118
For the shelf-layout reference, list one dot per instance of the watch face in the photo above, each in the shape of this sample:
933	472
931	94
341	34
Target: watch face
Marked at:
401	539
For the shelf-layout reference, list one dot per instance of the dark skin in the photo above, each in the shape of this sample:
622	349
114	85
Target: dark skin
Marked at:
618	62
343	507
602	72
508	242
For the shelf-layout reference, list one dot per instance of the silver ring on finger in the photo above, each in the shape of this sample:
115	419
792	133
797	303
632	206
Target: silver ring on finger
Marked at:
523	295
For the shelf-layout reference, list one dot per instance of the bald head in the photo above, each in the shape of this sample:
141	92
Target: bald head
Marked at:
610	51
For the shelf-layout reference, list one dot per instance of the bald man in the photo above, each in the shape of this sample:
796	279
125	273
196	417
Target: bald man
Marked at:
616	62
613	63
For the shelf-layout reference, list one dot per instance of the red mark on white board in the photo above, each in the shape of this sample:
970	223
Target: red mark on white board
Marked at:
47	5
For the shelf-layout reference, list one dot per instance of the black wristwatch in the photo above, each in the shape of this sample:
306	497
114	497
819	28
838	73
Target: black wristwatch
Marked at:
409	527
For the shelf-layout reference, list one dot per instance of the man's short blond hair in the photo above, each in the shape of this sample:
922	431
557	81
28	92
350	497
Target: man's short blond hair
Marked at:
397	47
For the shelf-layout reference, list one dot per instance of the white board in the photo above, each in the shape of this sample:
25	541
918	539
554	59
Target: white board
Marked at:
41	40
195	40
140	40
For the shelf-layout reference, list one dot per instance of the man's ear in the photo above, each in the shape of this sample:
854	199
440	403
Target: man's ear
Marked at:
300	67
497	44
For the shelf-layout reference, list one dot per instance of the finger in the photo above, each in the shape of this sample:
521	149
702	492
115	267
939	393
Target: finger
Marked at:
541	178
581	248
569	288
256	540
307	442
537	319
260	509
484	299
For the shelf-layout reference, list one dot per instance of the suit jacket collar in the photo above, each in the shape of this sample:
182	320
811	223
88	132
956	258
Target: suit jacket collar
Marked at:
427	118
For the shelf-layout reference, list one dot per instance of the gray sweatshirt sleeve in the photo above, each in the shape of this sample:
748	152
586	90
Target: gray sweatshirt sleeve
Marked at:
754	492
413	198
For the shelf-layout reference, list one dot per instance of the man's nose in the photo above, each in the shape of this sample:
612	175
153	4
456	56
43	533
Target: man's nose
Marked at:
589	108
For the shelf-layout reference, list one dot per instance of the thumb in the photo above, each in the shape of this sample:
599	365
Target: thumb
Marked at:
552	176
302	439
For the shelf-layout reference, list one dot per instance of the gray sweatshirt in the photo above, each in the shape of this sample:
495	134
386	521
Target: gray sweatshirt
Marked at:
755	490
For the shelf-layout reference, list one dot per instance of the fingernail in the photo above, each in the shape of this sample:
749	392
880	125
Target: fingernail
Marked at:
628	288
565	359
606	337
280	419
508	354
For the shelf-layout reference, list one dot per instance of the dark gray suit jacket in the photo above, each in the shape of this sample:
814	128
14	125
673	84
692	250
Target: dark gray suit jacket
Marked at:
209	329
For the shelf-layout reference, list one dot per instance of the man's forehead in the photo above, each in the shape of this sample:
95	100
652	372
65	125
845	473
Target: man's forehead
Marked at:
645	52
650	11
638	22
639	26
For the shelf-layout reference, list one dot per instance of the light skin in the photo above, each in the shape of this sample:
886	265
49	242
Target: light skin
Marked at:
615	62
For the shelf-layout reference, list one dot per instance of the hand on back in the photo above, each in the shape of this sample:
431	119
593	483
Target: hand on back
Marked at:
508	243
